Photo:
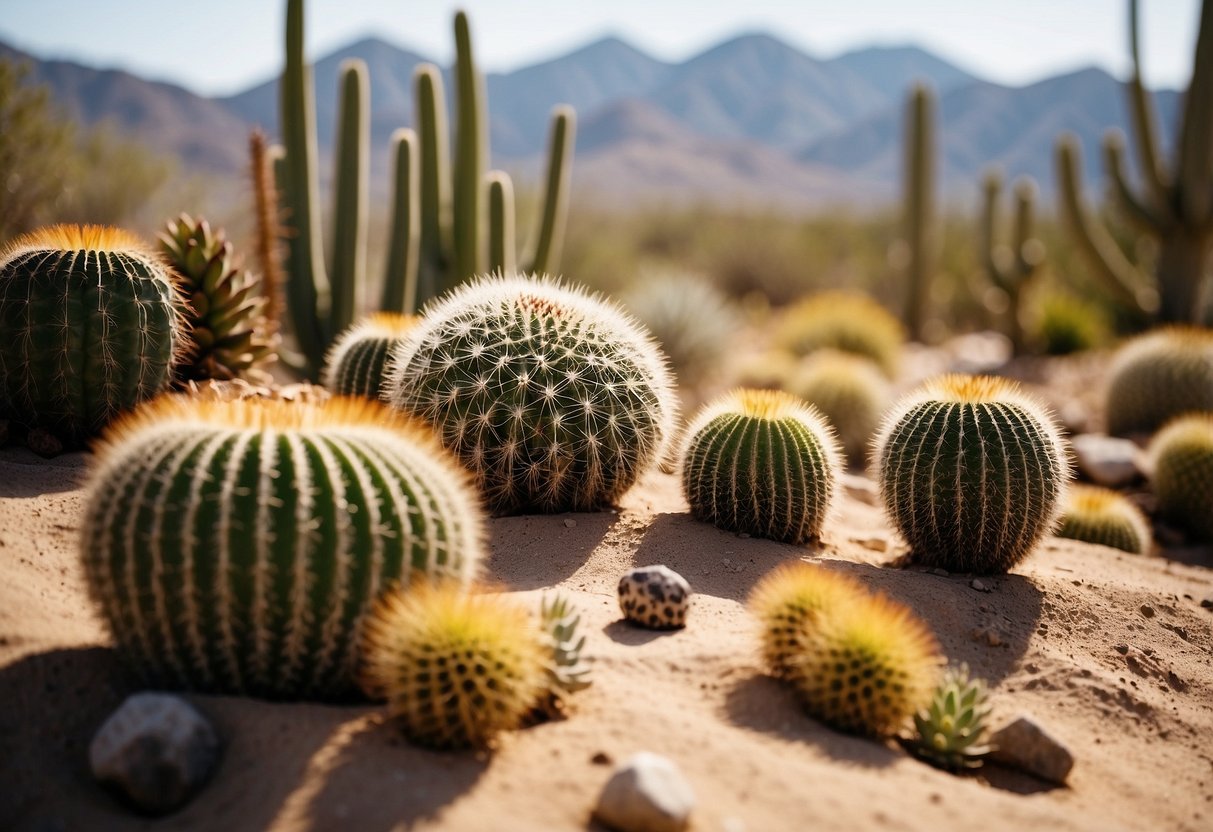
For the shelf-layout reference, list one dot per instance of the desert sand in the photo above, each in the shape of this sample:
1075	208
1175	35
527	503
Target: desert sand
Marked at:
1111	652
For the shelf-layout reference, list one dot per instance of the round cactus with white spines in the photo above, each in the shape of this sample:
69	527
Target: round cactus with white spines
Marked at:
1158	376
1102	516
357	362
554	398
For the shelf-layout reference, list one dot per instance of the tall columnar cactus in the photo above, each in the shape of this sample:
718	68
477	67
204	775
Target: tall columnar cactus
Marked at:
235	546
554	398
502	257
1158	376
1175	206
761	462
91	324
971	471
1011	268
850	392
1182	457
1102	516
848	321
918	246
357	362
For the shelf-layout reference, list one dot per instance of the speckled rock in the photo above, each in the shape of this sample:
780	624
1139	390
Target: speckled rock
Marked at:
646	793
1024	745
656	597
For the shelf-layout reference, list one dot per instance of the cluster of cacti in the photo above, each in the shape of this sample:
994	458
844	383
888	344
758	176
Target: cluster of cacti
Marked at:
554	398
456	669
971	471
1100	515
1174	206
951	731
231	335
438	236
235	546
1011	267
918	246
1064	324
1182	461
761	462
91	324
1158	376
845	321
357	361
850	392
567	669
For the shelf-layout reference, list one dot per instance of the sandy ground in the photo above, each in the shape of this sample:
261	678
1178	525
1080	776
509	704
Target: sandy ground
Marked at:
1113	653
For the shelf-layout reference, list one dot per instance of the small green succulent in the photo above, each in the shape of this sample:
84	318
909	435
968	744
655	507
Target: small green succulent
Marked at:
568	671
950	732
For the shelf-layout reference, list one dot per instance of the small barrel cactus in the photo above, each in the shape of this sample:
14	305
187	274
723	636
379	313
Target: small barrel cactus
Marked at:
456	669
1100	515
950	732
235	546
761	462
568	671
1157	376
555	399
90	325
846	321
1182	457
971	471
356	363
850	392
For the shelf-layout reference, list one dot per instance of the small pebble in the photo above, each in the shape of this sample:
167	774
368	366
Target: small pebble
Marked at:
943	573
647	793
601	758
570	523
1207	603
656	597
1147	610
979	586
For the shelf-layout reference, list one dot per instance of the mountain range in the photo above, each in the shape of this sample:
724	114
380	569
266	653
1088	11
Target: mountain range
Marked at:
752	119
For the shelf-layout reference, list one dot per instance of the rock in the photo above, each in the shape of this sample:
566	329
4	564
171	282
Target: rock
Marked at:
44	443
156	751
1024	745
1107	460
570	523
656	597
1147	610
1207	603
979	585
647	793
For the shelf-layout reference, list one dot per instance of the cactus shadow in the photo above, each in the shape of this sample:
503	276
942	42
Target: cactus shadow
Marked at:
532	551
24	474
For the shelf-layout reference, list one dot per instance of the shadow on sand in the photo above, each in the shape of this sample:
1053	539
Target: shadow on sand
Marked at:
24	474
523	556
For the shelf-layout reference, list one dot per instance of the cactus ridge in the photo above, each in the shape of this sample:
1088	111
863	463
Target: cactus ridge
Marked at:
235	546
971	472
1102	516
1182	456
556	399
357	361
1160	375
90	324
761	462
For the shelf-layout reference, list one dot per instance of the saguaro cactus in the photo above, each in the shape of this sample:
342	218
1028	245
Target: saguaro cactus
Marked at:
1011	268
919	244
1176	205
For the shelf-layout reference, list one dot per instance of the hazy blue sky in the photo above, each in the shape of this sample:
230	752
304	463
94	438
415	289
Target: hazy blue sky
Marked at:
221	46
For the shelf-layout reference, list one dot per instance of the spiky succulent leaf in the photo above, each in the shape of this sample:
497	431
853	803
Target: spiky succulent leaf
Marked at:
951	731
568	670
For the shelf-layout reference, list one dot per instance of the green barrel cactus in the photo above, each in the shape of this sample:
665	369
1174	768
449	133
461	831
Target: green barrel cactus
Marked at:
761	462
951	731
1102	516
1157	376
1182	460
358	358
90	325
235	546
846	321
554	398
850	392
971	471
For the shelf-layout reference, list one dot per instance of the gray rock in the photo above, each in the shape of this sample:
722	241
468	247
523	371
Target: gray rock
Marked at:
978	352
1107	460
656	597
156	751
646	793
1024	745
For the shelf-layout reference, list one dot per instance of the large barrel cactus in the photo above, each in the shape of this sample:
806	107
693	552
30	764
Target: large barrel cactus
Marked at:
1182	461
971	470
235	546
554	398
90	325
357	361
1158	376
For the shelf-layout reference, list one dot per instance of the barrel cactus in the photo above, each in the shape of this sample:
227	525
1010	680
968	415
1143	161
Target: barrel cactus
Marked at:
554	398
90	325
1102	516
761	462
1158	376
846	321
951	732
357	360
235	546
1182	458
850	392
971	470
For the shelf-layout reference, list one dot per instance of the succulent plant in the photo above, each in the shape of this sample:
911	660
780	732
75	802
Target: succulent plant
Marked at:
90	325
1065	324
231	335
568	671
554	398
971	471
789	601
235	546
1182	458
761	462
846	321
357	361
1157	376
950	732
850	392
456	669
1100	515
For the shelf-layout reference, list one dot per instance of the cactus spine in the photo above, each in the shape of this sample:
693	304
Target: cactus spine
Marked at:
971	471
951	730
1158	376
554	398
1102	516
1176	205
358	359
235	546
1011	268
90	324
1182	455
919	206
761	462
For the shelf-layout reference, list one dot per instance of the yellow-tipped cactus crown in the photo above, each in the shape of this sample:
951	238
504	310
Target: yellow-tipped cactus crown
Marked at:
357	362
1102	516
